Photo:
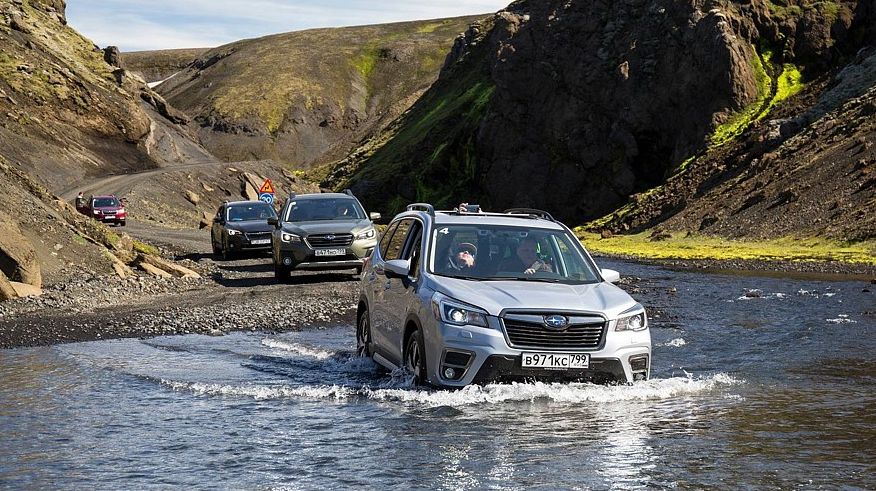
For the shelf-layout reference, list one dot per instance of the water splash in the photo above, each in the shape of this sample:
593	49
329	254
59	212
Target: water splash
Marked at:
675	343
655	389
298	349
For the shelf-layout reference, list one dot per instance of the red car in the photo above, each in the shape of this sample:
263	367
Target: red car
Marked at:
107	209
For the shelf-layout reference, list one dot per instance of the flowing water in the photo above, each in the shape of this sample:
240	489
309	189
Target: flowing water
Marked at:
757	382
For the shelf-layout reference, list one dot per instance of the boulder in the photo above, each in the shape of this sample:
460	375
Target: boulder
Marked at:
18	258
157	272
112	56
7	292
168	267
192	197
25	290
250	185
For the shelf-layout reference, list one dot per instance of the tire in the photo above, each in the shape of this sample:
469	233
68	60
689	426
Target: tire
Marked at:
216	250
122	223
281	274
415	357
363	335
226	254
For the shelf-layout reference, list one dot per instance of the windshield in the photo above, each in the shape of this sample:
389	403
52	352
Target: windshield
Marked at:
104	202
308	210
492	252
248	212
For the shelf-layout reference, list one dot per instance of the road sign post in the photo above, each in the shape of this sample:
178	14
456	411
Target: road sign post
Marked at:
266	192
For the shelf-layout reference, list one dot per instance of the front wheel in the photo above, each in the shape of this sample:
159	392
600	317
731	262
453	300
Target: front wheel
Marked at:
415	357
363	335
281	274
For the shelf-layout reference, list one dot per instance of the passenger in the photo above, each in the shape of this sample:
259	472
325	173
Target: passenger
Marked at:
342	210
461	257
80	201
526	259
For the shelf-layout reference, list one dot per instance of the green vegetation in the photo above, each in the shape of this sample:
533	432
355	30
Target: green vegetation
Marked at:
144	248
739	122
709	247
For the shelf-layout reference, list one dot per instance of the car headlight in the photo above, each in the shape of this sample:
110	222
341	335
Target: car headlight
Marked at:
366	234
97	212
635	322
231	231
287	237
120	210
457	313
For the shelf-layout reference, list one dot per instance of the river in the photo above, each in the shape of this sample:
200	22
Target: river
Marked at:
757	382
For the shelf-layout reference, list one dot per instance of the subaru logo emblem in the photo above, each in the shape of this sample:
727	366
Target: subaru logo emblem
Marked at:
556	322
329	237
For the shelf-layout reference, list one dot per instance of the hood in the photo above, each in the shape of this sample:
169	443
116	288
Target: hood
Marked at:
496	296
327	227
250	226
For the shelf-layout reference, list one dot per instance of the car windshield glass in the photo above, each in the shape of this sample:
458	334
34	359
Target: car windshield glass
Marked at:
104	202
308	210
248	212
493	252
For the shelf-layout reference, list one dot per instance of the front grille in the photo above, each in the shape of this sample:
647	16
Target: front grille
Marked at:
258	235
586	334
330	240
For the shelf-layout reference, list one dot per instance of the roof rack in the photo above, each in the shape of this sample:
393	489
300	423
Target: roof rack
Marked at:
531	212
422	207
348	192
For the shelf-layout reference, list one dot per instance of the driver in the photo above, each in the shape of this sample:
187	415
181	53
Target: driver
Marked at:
526	259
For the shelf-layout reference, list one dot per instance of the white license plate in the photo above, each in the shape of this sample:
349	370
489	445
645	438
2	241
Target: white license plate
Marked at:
555	360
261	241
331	252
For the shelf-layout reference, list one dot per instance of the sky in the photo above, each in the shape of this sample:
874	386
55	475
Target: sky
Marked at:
134	25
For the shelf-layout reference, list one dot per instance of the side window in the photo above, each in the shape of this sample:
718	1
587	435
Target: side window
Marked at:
219	213
397	241
569	259
384	239
414	248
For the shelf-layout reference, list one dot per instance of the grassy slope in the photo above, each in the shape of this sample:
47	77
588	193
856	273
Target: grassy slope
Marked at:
343	78
430	149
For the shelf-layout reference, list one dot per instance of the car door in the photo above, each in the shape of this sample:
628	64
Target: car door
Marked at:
374	282
382	311
216	229
399	292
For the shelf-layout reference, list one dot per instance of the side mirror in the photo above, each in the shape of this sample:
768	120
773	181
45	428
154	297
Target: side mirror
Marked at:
374	216
610	275
274	221
397	268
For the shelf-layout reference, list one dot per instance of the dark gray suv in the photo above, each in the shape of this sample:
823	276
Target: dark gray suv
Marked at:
326	231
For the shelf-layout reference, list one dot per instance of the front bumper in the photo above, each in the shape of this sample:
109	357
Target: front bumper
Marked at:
244	242
623	358
300	255
111	218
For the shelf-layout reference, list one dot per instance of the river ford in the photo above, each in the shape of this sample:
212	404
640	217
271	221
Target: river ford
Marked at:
757	382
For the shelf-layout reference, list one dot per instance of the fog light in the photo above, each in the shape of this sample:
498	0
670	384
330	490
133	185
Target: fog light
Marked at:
449	373
287	261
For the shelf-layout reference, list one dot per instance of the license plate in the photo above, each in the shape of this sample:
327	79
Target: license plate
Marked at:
261	241
555	360
331	252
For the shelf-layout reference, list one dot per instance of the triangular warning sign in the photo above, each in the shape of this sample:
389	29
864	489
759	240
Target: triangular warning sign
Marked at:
267	187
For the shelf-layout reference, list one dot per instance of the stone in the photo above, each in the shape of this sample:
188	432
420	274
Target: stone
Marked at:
112	56
192	197
18	259
152	270
25	290
7	292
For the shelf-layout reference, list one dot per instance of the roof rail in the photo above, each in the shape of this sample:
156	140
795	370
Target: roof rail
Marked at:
422	207
348	192
529	211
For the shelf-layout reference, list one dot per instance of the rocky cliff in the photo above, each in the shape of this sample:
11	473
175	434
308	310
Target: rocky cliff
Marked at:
575	106
309	96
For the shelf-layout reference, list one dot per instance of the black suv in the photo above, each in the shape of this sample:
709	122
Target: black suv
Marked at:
322	232
242	226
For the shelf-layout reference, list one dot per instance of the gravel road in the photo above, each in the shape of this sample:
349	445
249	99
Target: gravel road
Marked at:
233	295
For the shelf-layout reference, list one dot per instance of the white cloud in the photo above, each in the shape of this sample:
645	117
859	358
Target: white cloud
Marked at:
160	24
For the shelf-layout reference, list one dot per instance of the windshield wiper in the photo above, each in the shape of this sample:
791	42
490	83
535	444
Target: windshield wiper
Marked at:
525	278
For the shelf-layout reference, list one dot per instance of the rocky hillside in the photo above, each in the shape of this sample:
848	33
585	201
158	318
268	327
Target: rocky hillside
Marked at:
307	97
576	106
155	66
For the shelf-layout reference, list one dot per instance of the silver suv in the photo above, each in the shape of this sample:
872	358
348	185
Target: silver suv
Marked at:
460	297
